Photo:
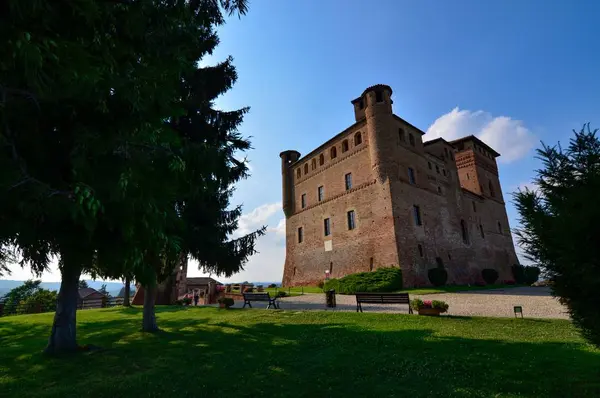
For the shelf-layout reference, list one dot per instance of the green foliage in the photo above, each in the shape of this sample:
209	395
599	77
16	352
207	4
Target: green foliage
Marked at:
489	275
440	305
559	226
281	293
20	294
437	276
41	301
227	301
321	284
272	286
83	284
380	280
525	275
115	158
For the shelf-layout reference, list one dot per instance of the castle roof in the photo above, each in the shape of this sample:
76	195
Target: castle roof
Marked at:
478	141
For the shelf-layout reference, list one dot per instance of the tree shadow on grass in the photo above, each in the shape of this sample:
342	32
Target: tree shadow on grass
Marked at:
287	357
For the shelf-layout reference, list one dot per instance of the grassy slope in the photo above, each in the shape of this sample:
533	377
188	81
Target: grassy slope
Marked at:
205	351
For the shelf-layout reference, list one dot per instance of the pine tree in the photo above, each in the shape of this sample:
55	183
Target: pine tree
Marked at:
559	222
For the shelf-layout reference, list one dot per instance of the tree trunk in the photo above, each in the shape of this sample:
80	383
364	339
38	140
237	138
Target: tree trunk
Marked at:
126	302
63	337
149	318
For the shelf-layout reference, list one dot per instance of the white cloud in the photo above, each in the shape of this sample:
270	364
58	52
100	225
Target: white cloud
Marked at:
257	218
508	136
280	228
267	264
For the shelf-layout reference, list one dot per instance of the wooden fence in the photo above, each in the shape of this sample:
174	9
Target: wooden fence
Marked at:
36	308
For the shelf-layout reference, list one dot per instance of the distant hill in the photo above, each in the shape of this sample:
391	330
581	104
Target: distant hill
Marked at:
112	288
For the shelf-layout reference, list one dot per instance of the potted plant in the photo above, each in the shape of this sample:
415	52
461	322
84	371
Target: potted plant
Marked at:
429	307
225	302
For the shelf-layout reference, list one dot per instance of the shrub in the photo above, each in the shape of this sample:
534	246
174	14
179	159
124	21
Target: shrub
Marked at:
525	275
490	276
321	284
382	280
187	301
531	275
272	286
438	276
227	301
281	293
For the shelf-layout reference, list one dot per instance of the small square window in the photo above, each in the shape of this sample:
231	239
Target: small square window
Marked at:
351	220
320	193
411	176
348	181
417	215
300	235
326	227
378	96
303	200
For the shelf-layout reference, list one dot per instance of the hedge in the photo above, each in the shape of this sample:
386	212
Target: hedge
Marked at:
381	280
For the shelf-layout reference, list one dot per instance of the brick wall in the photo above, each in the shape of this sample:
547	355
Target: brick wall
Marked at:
383	199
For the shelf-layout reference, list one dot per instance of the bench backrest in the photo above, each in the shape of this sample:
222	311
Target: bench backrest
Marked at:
257	296
383	298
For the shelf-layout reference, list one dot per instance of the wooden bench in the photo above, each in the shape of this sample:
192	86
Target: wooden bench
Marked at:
249	297
382	298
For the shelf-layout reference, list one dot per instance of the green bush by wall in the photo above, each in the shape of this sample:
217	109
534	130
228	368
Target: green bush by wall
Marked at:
381	280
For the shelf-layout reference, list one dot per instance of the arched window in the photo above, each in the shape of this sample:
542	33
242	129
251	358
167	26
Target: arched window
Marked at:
402	134
357	139
313	164
499	227
474	207
344	146
481	231
464	231
333	152
491	186
321	160
306	168
298	173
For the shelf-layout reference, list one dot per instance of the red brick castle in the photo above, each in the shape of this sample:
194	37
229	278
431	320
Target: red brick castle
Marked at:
376	195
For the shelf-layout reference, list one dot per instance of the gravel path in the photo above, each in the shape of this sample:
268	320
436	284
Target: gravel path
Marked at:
536	302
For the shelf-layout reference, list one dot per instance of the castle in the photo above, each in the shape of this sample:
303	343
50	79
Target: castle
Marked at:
376	195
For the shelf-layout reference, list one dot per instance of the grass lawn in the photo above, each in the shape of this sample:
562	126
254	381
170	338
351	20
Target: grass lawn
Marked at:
210	352
295	291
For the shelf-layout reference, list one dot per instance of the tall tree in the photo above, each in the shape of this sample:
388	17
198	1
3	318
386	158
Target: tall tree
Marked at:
82	284
559	222
86	161
208	142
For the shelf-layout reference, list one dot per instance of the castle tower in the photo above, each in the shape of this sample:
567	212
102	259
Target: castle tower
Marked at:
287	180
375	104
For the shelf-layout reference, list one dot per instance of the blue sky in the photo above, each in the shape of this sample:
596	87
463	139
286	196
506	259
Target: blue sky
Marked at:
513	72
